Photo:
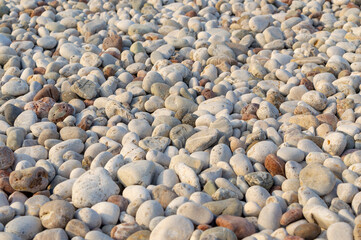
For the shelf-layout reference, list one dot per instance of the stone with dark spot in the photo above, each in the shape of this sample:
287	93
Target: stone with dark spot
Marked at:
56	213
263	179
308	84
249	111
124	230
208	93
86	122
85	88
59	112
4	182
32	179
7	157
113	41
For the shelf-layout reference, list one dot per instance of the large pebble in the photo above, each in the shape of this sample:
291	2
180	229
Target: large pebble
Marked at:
318	178
92	187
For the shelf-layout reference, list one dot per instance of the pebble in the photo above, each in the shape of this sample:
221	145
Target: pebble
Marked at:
24	227
240	226
90	189
108	212
196	213
31	179
259	151
318	178
180	225
56	214
56	233
7	157
136	173
270	216
334	143
341	229
201	140
218	232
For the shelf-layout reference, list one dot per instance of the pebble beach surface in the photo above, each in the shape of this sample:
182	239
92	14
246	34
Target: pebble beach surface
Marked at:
180	120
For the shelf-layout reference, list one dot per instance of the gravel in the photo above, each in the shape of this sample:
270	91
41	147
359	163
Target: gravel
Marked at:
180	120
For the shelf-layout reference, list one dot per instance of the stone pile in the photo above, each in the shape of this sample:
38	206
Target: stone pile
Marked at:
180	120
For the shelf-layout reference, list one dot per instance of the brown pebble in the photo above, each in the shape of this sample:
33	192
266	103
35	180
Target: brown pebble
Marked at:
41	107
37	12
32	179
203	227
112	53
289	237
88	102
5	183
86	122
274	165
48	91
191	13
308	231
163	195
39	70
76	227
109	71
257	50
307	83
43	193
120	201
203	82
141	73
291	216
239	225
113	41
208	94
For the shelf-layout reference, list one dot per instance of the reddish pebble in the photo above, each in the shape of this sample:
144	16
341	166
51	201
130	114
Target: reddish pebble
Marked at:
208	94
4	182
191	13
307	83
203	82
204	227
240	226
293	238
86	122
291	216
41	107
39	70
120	201
274	165
88	102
